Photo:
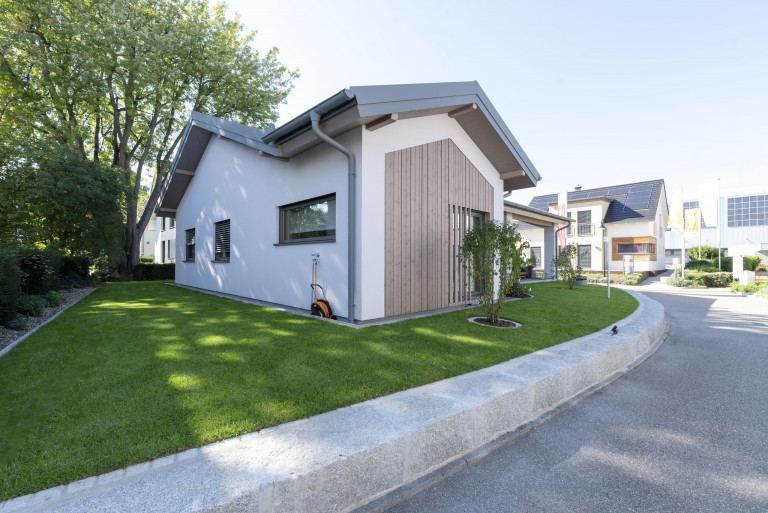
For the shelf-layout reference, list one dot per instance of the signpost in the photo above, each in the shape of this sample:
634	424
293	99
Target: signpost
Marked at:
607	241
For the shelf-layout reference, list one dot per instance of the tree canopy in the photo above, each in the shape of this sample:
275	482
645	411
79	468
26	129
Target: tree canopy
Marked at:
116	80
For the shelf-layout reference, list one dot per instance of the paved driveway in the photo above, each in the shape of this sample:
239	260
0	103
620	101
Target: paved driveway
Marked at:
685	431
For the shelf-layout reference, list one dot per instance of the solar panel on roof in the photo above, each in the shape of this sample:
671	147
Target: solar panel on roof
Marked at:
578	195
638	188
620	190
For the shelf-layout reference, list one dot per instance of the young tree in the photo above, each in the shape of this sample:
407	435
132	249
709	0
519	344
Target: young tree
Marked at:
495	249
115	81
563	262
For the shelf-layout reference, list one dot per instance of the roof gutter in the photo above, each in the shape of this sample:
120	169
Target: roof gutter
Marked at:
333	105
314	117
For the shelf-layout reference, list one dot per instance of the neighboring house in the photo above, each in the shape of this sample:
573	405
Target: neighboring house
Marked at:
149	239
633	216
744	222
381	181
159	240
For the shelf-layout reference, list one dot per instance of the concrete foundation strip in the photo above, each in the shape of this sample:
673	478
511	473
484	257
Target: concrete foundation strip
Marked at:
368	456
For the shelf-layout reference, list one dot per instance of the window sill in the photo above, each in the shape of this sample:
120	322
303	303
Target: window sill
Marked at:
299	242
188	261
219	261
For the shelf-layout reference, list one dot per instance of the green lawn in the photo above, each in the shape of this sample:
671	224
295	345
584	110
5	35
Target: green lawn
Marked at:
140	370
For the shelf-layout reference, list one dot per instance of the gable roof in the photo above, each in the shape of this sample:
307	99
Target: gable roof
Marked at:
629	203
369	106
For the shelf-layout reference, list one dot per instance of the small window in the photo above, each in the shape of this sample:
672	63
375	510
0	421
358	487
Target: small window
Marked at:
162	229
221	241
171	250
631	249
189	255
173	222
309	221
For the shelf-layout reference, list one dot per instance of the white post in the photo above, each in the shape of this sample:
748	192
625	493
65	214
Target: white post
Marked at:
719	229
682	221
607	241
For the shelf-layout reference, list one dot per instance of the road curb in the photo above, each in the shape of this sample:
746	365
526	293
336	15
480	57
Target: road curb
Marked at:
368	456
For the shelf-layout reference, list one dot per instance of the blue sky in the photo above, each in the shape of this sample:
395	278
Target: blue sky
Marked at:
597	93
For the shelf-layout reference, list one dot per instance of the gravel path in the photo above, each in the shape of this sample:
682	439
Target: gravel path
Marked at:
70	297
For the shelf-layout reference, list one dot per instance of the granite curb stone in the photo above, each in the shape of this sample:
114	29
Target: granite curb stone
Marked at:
358	455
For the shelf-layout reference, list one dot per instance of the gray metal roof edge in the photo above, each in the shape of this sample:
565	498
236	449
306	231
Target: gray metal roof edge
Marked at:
537	211
428	92
336	103
167	181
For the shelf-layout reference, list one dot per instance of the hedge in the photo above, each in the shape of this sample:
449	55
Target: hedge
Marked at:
10	284
700	279
146	272
618	279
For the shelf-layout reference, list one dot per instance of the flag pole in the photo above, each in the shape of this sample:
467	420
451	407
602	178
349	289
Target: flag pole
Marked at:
682	223
719	229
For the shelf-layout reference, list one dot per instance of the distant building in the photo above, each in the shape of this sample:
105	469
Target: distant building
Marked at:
743	221
633	216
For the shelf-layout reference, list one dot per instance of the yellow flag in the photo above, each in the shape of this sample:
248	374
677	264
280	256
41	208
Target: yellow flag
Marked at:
692	216
676	210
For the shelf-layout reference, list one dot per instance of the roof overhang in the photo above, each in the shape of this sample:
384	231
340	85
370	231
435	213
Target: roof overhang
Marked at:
533	216
371	107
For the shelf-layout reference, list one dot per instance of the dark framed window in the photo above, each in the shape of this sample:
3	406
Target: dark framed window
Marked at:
632	249
189	253
584	258
221	241
309	221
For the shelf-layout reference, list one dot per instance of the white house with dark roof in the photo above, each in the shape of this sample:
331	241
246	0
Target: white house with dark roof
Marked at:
381	181
633	216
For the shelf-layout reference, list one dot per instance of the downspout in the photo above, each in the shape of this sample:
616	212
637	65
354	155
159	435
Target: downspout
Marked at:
314	117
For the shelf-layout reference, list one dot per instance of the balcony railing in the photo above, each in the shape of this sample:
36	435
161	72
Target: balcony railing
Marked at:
585	229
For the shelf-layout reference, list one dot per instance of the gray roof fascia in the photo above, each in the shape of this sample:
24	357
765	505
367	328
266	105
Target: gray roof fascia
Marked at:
167	181
526	208
379	100
301	123
243	134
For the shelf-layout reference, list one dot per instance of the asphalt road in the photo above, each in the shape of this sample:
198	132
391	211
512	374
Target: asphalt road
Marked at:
685	431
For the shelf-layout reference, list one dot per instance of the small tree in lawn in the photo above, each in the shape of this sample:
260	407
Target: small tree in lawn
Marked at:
495	249
563	262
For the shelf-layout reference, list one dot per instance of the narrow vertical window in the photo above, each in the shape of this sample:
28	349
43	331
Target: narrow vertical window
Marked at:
189	254
221	241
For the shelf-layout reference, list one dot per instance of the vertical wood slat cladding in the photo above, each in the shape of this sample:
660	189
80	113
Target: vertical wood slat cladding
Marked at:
431	192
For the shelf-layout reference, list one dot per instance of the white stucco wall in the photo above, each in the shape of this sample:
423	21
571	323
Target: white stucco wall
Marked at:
396	136
233	182
643	229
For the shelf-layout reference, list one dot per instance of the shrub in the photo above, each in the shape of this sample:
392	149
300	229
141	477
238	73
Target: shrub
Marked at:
10	283
40	270
618	279
707	253
53	298
146	260
31	305
146	272
74	272
518	290
751	262
761	268
700	279
16	324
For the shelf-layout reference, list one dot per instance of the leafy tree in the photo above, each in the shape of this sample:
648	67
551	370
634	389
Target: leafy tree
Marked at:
490	251
53	197
115	81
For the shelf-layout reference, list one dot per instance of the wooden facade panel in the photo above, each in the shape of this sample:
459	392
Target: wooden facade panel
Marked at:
616	256
431	192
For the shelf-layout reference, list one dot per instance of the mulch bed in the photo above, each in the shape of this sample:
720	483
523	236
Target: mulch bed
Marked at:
70	297
503	323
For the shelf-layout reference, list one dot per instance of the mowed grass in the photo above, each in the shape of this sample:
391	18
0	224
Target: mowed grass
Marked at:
140	370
